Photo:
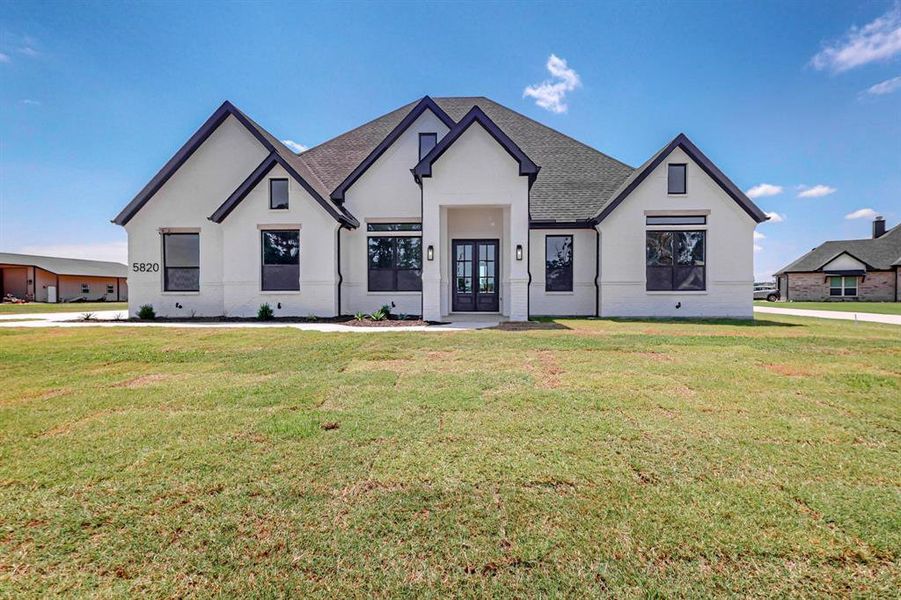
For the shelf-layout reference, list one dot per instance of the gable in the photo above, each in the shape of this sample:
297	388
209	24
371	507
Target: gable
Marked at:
476	116
692	152
229	114
844	262
424	105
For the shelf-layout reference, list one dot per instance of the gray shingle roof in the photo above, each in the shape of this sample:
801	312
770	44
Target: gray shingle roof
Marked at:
66	266
574	183
881	253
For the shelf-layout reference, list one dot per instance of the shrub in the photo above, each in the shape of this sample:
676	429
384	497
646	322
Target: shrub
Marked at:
359	316
379	315
265	313
386	308
146	312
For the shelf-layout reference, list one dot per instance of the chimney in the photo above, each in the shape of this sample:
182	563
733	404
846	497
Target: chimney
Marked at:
878	227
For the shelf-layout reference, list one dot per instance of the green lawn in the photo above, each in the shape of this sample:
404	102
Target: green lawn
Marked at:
43	307
882	308
579	458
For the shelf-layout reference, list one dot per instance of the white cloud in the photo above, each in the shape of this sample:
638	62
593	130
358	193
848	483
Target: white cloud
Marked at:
4	58
113	251
757	248
863	213
775	217
758	235
550	94
29	102
29	51
878	40
764	189
294	146
884	87
817	191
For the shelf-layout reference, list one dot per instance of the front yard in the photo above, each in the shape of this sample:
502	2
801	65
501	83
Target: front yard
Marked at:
44	307
881	308
576	458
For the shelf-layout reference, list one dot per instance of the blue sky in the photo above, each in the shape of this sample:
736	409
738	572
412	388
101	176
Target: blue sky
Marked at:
95	97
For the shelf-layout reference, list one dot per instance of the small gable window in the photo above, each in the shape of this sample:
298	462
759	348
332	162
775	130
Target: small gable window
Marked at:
842	286
427	141
278	194
675	183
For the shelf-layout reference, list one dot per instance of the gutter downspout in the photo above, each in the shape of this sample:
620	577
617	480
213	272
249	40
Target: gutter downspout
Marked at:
597	271
340	276
528	254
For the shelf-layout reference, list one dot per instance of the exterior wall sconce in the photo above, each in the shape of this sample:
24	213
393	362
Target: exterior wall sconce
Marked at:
518	251
430	253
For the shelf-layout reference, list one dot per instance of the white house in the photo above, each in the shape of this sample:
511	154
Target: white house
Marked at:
443	206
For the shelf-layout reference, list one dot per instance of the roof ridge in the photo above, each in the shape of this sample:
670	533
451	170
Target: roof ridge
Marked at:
358	127
549	128
111	262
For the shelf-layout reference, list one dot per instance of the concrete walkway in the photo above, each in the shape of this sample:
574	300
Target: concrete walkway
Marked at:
830	314
116	318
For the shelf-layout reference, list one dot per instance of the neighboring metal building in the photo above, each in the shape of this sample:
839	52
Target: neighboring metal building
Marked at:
53	279
868	269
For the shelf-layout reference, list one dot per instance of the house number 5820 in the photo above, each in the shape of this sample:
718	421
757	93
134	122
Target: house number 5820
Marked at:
145	267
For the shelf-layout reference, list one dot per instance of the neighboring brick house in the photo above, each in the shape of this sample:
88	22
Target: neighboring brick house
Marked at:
868	270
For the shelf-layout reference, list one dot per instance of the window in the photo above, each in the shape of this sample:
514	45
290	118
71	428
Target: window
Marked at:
842	286
427	141
181	262
395	264
677	220
558	263
278	194
675	261
85	289
675	179
394	227
110	289
281	261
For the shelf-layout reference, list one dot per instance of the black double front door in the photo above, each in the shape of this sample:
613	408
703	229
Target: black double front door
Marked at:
476	276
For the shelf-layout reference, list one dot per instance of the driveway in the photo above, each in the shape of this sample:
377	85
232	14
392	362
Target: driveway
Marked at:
831	314
117	318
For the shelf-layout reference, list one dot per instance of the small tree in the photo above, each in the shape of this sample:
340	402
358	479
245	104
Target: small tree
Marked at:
146	312
265	313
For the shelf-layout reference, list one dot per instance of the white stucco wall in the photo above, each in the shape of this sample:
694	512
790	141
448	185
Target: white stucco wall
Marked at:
730	260
580	301
386	192
475	172
242	253
185	202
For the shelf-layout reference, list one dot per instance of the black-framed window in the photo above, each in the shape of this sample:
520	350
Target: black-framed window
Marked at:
110	289
281	260
677	220
278	194
842	285
181	262
85	289
427	141
378	227
676	178
675	261
394	263
558	263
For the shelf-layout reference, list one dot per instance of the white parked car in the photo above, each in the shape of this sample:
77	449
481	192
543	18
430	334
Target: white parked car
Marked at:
766	292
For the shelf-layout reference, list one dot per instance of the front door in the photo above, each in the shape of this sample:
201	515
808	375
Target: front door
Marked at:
476	276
